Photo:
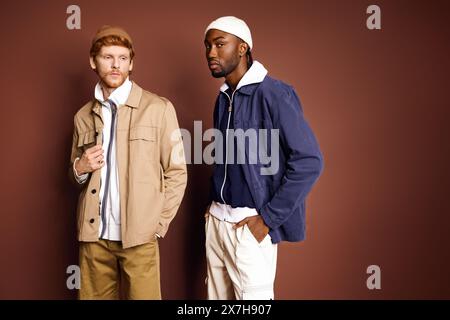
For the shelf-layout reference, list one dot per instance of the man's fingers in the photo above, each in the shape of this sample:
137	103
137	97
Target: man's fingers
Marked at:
97	164
97	160
100	165
92	156
240	223
94	149
96	153
92	159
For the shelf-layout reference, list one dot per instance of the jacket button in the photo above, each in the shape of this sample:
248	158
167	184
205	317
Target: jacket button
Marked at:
96	133
92	220
93	191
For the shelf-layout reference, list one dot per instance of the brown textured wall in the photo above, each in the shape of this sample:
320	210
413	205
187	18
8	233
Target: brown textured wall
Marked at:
377	101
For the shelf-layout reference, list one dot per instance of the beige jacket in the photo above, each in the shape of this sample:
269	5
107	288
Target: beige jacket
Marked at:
151	167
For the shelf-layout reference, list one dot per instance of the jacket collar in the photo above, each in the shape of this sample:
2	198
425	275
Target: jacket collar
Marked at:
254	75
135	96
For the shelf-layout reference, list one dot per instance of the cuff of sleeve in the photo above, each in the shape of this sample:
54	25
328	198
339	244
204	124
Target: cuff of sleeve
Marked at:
79	178
266	217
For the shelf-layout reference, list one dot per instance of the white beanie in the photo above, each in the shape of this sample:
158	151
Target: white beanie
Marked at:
234	26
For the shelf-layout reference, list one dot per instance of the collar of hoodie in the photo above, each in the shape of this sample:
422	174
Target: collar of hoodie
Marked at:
255	74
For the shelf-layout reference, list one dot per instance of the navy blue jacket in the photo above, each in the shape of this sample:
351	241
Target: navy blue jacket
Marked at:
279	197
234	190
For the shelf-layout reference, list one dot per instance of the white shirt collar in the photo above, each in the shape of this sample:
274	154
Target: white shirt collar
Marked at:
119	96
255	74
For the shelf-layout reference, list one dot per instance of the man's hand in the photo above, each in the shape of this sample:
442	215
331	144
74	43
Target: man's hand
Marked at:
256	225
91	160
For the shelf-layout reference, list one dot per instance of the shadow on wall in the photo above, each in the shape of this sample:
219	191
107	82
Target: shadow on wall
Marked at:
79	90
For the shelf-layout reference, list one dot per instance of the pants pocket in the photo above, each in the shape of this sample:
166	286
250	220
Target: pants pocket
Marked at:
266	241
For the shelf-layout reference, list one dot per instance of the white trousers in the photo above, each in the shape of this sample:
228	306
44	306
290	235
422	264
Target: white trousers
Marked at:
238	266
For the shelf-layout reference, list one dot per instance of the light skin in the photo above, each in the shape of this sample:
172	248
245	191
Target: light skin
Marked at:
112	65
226	57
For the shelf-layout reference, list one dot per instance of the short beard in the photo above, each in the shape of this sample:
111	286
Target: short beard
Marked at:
226	70
113	85
220	74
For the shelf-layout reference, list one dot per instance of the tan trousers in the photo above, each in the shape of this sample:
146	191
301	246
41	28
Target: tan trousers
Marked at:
238	266
105	266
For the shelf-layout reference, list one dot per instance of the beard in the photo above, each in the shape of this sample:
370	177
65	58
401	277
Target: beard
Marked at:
223	71
113	82
219	74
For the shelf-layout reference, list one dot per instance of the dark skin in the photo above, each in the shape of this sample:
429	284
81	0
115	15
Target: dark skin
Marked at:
225	54
226	57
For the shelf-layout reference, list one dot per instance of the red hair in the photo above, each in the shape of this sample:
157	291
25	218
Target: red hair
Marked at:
111	40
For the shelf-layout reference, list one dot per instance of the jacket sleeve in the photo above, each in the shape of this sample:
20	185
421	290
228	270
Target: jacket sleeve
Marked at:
215	126
303	157
76	153
173	164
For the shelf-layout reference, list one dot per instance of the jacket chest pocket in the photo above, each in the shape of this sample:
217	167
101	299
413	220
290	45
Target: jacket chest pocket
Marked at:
87	139
143	143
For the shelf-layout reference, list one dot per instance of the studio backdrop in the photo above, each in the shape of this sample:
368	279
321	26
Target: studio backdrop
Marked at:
372	77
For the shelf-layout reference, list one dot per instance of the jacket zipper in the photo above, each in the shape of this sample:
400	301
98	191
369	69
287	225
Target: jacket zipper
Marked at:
230	108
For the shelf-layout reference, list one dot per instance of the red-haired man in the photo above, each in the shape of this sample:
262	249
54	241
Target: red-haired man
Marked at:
122	157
